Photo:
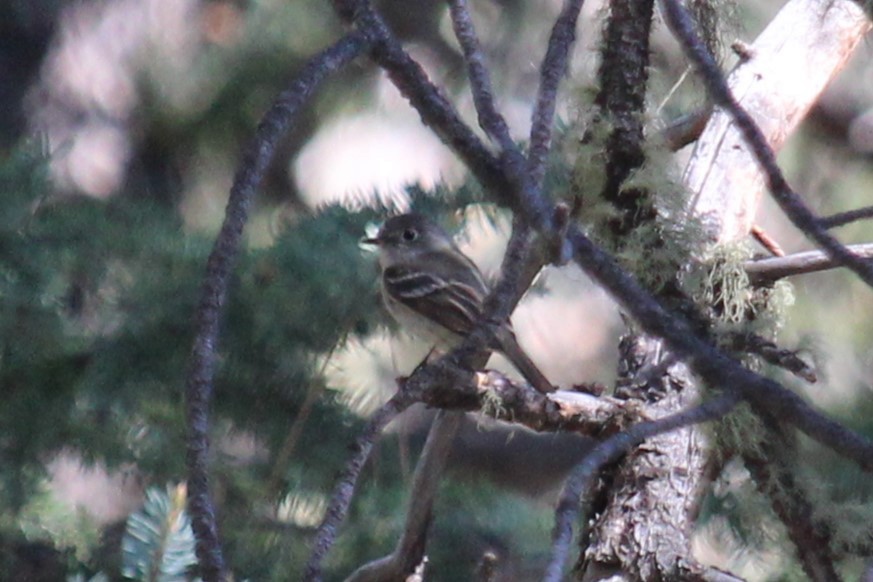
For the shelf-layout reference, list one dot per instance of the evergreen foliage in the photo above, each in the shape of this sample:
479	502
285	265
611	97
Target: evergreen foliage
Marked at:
97	300
159	542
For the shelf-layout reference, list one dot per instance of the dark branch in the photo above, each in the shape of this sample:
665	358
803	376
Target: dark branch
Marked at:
715	367
345	487
480	83
552	70
773	354
621	99
214	292
436	111
409	551
610	450
844	218
683	28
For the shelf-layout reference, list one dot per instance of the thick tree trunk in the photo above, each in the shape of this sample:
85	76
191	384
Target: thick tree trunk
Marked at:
642	528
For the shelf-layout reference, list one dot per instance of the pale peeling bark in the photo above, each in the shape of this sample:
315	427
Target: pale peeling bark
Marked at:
789	65
643	531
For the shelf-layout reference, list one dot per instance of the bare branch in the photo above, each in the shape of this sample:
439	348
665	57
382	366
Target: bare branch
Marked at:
345	487
766	241
480	83
682	27
773	354
715	367
552	70
762	271
610	450
497	396
436	111
844	218
201	368
410	548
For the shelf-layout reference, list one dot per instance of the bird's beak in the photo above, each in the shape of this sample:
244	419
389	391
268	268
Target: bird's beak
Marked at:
370	241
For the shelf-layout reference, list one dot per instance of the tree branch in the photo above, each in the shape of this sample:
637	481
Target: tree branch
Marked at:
848	217
763	271
495	395
682	26
552	70
480	83
436	111
715	367
345	488
610	450
409	551
201	370
621	99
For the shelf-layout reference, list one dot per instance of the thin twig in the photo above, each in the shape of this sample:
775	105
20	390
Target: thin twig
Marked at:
410	547
480	83
609	451
436	111
844	218
774	268
345	488
490	119
682	26
201	368
766	241
552	70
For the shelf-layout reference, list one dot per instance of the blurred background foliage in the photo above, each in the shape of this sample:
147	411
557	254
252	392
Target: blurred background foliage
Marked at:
125	124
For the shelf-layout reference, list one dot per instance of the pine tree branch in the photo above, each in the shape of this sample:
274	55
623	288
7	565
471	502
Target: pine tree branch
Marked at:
763	271
198	393
480	82
848	217
581	480
552	71
682	26
409	551
344	490
715	367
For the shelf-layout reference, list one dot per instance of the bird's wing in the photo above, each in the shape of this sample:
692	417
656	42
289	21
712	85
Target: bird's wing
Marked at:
453	304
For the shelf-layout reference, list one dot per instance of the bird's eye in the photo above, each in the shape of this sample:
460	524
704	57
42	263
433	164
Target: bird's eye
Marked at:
410	234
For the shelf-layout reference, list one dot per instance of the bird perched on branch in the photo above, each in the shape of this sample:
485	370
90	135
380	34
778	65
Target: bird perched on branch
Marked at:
435	291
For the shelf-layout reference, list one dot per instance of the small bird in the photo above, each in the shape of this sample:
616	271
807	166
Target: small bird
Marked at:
435	291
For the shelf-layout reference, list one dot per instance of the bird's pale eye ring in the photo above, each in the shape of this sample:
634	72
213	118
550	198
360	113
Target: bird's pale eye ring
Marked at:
410	234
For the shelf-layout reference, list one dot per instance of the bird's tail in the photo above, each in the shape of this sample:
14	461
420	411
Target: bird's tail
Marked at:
510	348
